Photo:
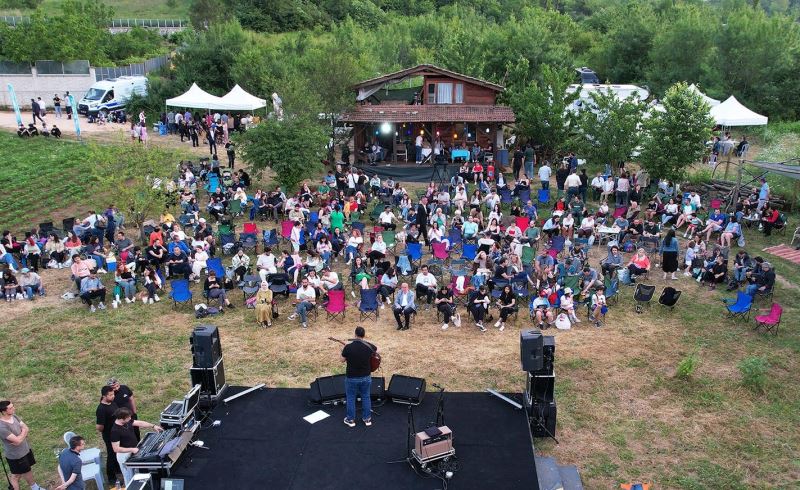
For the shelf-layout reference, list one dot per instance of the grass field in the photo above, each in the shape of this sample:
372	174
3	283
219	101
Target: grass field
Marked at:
623	413
47	179
125	9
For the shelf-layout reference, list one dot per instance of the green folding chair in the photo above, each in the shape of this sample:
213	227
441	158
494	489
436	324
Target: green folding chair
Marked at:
528	255
390	239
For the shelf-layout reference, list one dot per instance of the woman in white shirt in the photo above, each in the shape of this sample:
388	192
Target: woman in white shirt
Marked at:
240	195
496	214
435	235
461	198
199	262
378	250
353	244
387	286
567	225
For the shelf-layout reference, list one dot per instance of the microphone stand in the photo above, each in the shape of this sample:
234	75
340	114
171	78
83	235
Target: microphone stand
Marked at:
5	470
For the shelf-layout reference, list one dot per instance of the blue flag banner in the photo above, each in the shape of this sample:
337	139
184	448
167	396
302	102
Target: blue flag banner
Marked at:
75	115
14	103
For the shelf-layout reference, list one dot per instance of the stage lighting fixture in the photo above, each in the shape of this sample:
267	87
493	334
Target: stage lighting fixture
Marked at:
487	130
469	135
386	128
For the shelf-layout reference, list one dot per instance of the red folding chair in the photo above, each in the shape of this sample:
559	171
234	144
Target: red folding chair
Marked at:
522	222
250	229
286	228
771	321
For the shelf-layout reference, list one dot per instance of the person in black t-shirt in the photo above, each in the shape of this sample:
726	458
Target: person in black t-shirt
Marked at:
123	438
105	420
358	381
444	303
123	398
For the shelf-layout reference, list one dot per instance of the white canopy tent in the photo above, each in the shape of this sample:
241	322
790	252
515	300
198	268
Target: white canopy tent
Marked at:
238	99
197	98
733	113
711	102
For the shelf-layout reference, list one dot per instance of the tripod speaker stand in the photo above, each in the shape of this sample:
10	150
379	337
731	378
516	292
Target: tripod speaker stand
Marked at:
441	174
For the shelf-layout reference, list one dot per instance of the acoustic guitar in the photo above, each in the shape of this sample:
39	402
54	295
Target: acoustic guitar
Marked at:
375	358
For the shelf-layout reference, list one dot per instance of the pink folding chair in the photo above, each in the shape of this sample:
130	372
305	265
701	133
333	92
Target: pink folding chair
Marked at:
620	211
440	251
716	203
336	305
771	321
286	228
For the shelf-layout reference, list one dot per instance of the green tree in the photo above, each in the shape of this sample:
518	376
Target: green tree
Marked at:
621	56
543	109
675	139
209	56
686	29
608	128
144	172
205	13
292	148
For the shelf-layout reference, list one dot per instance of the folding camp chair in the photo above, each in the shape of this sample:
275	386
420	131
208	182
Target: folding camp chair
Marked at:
279	283
556	246
522	222
390	239
357	225
505	195
460	297
286	229
469	251
612	290
228	243
771	321
235	208
369	305
215	264
180	292
524	197
669	297
740	308
336	305
528	255
642	296
270	238
250	243
249	228
455	238
414	253
544	196
250	286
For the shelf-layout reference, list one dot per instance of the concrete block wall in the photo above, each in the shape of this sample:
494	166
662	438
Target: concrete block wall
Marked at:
31	86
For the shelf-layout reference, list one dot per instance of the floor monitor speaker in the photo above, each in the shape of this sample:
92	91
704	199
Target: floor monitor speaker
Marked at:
328	389
406	390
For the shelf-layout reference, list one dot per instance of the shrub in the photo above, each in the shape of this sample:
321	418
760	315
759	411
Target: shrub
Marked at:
687	366
754	373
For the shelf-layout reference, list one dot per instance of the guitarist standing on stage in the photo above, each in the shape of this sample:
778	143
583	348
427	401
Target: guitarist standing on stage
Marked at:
358	381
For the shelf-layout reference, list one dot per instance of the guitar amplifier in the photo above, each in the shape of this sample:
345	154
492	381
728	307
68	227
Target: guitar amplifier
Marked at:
433	443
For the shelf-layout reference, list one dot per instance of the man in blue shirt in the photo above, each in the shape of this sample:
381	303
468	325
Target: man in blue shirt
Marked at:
69	465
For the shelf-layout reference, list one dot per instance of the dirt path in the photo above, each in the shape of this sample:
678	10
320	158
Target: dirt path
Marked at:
107	133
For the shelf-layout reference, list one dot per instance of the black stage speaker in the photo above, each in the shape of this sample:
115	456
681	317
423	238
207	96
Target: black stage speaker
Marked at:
378	388
328	389
206	347
540	388
406	390
542	417
548	356
211	380
530	350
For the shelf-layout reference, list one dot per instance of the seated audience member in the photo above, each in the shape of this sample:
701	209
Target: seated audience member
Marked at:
92	288
215	289
763	282
541	309
639	263
404	306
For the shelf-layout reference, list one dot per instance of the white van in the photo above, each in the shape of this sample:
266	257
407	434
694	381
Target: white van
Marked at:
112	94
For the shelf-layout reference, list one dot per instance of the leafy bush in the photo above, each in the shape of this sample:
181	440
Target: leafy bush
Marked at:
687	366
754	373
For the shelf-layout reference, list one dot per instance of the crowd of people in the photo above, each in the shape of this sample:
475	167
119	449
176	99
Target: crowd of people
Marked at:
492	245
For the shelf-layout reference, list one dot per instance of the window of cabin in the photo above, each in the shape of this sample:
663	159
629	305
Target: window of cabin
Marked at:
459	96
444	93
431	93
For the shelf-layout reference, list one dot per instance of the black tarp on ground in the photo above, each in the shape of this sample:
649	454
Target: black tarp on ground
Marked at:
263	443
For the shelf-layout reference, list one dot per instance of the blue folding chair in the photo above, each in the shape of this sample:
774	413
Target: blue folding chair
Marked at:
469	251
414	252
180	292
313	217
357	225
505	195
455	238
544	196
524	197
368	305
270	238
215	264
741	307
